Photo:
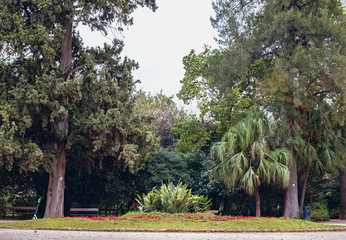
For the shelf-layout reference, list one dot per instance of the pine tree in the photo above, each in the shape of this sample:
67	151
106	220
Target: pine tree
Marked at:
292	55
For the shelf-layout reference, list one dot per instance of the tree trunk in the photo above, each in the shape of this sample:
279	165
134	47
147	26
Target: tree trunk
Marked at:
291	208
258	202
56	185
343	193
305	183
226	205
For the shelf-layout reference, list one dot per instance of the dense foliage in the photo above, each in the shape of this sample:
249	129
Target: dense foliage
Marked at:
173	199
67	106
59	97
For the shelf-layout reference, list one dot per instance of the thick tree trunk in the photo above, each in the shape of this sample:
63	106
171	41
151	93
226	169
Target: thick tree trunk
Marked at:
291	208
343	193
304	185
258	202
56	185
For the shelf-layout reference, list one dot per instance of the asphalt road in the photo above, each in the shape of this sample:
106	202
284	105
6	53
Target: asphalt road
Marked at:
15	234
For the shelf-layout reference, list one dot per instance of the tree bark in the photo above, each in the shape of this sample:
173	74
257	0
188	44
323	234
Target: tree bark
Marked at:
304	185
226	205
56	185
291	208
258	202
343	193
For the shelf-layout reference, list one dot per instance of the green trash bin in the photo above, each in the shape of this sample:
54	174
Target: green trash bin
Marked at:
307	213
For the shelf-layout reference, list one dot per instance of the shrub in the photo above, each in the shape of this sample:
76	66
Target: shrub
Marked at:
173	199
7	196
334	213
319	212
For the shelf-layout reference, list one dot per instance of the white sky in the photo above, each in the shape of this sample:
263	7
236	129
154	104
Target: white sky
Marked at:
159	40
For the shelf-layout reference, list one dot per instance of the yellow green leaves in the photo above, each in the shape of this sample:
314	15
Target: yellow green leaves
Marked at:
173	199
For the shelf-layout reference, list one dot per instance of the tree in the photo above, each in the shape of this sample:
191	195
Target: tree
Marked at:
218	99
164	113
320	147
297	48
246	159
193	134
66	96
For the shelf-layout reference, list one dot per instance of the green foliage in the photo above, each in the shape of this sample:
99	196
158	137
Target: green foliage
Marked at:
173	199
246	159
334	213
163	112
12	148
164	167
290	55
7	197
193	134
67	99
105	127
319	212
217	99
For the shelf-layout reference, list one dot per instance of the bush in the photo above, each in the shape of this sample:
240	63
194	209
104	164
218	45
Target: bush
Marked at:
173	199
319	212
334	213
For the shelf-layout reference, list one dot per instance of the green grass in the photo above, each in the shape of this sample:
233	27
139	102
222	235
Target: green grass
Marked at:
170	222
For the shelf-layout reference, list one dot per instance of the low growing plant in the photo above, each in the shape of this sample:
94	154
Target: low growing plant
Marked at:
173	199
319	212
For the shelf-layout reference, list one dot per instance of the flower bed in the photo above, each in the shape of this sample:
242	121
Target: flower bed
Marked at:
188	217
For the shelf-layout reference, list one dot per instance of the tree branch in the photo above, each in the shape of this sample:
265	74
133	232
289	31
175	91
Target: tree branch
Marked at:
77	69
326	91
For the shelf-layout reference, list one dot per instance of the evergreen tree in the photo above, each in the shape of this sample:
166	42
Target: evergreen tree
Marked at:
291	54
62	99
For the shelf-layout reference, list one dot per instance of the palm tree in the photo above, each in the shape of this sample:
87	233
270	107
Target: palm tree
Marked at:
246	159
319	146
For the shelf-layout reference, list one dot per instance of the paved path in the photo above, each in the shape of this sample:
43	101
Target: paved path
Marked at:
340	222
15	234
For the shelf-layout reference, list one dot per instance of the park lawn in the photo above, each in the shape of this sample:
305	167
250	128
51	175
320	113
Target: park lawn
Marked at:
173	222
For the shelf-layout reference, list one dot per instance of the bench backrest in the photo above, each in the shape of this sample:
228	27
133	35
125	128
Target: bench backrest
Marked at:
84	209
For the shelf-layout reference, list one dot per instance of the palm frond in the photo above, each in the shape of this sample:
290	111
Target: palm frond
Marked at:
264	170
280	173
282	155
249	181
309	154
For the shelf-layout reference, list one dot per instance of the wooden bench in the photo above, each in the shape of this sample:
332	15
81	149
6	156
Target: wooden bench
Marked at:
18	210
84	211
213	211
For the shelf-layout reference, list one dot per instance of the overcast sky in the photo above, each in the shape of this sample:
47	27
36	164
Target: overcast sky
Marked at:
159	40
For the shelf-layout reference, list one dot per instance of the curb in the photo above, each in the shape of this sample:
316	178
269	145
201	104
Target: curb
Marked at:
183	230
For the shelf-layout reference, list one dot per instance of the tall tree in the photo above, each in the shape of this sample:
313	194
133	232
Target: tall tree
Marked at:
63	93
247	160
297	49
164	112
205	80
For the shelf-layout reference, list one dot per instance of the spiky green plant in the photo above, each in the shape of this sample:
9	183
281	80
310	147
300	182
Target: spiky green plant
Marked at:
173	199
